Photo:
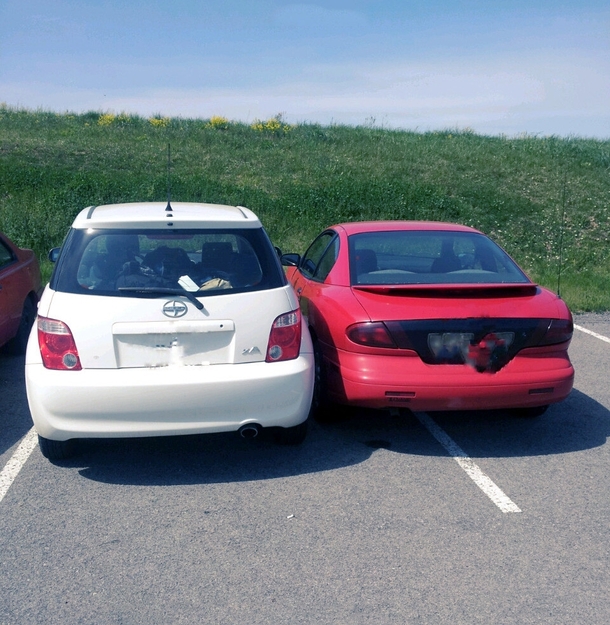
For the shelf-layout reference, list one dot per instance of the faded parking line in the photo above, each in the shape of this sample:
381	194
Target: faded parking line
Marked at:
471	468
14	465
601	337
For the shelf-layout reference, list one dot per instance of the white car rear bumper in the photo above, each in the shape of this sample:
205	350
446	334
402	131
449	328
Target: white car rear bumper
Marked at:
165	401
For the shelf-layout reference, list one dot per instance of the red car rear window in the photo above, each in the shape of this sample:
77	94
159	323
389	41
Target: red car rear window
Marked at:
430	257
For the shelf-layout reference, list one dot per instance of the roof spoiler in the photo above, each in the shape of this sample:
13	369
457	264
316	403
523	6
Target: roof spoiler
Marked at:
450	290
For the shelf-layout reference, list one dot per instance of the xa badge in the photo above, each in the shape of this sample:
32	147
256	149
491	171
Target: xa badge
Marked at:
174	309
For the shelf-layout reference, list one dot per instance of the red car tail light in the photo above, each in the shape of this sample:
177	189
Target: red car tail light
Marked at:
373	334
285	338
558	331
57	346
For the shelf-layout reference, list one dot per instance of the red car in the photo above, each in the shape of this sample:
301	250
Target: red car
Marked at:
20	290
429	316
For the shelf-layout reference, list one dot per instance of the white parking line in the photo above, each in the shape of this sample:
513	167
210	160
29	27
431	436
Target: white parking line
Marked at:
471	468
601	337
14	465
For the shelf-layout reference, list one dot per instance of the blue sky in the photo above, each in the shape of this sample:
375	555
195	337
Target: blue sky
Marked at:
536	67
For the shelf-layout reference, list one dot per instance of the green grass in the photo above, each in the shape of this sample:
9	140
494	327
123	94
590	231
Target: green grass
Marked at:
300	179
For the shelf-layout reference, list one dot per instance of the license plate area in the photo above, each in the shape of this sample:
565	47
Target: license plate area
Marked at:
162	344
485	343
449	347
484	353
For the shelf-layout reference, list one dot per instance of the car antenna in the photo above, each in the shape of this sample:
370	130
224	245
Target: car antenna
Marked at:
169	208
561	227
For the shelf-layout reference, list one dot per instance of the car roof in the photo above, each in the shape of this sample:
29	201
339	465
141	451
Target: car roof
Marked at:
358	227
165	215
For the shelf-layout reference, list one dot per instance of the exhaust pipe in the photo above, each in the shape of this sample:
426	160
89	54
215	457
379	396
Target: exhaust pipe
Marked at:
250	430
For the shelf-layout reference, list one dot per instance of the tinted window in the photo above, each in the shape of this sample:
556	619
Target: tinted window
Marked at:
430	257
109	262
311	262
6	255
327	262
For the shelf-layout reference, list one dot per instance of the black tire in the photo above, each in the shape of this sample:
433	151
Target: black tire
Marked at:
292	436
56	450
16	346
530	413
319	401
323	410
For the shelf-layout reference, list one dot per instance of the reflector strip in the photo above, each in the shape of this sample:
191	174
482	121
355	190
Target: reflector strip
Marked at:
471	468
541	391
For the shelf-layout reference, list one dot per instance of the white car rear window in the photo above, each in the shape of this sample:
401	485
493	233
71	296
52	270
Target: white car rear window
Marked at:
112	261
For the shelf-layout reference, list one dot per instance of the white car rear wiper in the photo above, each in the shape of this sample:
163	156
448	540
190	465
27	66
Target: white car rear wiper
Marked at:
156	290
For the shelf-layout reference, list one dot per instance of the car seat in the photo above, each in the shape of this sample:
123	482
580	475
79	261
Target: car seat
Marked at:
447	261
169	262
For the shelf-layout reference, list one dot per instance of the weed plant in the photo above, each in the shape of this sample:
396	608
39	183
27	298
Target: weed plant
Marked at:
541	198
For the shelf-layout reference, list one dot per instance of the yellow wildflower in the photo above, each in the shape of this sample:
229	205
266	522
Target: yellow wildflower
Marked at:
218	122
159	122
106	119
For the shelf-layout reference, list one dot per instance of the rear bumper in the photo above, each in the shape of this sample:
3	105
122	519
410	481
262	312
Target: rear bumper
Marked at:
533	378
166	401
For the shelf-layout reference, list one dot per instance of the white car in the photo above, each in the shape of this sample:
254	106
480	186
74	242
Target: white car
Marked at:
167	319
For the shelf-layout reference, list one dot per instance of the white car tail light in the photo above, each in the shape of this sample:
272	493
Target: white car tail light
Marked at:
285	338
57	346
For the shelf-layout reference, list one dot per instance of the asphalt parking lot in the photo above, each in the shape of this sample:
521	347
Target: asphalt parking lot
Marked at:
407	519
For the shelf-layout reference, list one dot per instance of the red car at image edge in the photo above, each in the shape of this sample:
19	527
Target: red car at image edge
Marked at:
20	290
429	316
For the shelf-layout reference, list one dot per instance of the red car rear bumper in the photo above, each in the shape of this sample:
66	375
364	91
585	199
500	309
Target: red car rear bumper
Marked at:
535	377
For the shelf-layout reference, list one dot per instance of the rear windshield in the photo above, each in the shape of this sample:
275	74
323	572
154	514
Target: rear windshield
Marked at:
430	257
116	262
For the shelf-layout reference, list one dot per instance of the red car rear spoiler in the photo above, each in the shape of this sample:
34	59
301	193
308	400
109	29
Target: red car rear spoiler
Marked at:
450	290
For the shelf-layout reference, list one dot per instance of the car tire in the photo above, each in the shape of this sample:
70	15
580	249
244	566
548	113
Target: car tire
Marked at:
319	401
292	436
56	450
16	346
323	410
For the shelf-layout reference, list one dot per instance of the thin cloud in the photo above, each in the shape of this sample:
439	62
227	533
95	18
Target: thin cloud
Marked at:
562	96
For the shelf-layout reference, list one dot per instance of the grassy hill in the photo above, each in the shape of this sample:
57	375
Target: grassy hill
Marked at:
299	179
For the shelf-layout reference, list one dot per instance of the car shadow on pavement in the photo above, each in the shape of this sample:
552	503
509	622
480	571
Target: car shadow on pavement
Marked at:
210	458
221	458
15	420
579	423
576	424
